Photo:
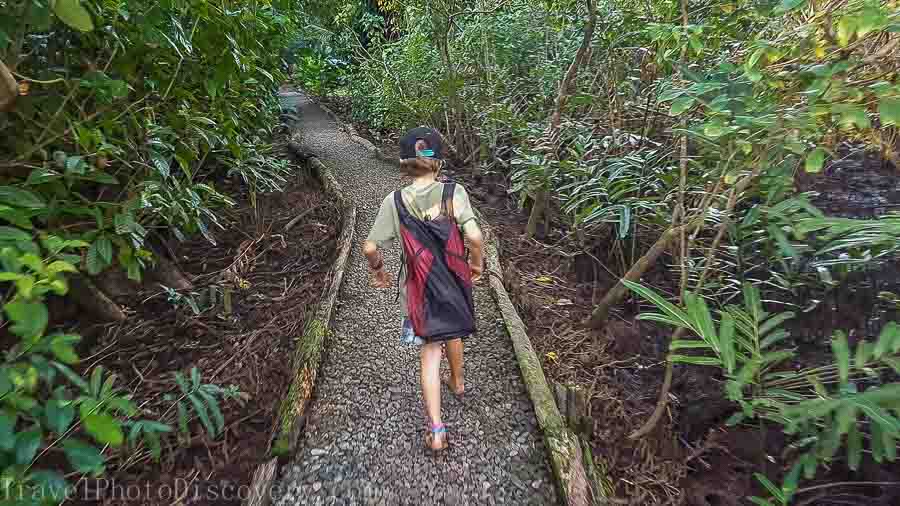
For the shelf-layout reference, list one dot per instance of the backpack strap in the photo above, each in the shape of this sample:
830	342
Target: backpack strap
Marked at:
447	200
402	212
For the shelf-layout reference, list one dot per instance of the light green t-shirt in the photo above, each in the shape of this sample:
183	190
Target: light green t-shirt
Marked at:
423	202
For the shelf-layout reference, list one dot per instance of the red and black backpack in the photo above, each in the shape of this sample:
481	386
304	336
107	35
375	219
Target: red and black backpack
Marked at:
438	281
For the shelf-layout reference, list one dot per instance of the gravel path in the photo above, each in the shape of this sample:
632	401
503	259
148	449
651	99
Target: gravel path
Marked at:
364	439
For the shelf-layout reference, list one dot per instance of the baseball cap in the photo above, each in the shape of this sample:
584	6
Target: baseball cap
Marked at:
432	142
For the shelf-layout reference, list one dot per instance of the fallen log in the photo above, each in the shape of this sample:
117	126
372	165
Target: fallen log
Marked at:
577	486
307	356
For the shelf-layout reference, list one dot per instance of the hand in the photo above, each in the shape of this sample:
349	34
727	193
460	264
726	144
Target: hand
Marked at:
476	269
382	279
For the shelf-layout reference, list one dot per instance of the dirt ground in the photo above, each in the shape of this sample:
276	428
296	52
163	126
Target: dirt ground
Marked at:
279	275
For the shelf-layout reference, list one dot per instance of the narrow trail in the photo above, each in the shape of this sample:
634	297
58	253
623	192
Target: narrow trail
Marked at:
364	438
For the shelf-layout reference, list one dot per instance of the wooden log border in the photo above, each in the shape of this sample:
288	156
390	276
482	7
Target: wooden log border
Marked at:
308	352
579	480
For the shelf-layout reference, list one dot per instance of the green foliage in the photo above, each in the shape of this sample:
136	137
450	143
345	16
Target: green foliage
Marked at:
200	400
824	408
129	115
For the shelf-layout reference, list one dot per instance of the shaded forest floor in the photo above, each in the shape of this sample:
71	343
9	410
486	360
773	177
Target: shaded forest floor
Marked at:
691	457
279	274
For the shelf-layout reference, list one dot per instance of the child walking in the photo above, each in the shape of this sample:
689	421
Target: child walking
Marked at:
430	218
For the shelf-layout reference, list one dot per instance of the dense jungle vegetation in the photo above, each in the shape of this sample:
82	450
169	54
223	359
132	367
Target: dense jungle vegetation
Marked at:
699	151
119	121
719	175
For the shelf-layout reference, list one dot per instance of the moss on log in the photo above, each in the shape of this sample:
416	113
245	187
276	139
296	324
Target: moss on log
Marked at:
308	352
566	453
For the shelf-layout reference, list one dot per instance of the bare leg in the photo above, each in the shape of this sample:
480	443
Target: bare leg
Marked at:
455	358
431	386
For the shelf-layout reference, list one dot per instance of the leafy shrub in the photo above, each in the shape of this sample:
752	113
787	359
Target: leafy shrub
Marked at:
126	112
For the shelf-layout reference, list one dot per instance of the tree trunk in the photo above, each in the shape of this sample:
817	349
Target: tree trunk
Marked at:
94	302
581	57
537	213
168	274
600	315
9	90
565	91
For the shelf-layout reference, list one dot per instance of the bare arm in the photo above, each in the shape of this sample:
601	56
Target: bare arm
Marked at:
376	265
476	249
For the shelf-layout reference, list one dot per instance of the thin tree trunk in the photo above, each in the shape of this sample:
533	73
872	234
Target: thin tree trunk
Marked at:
565	91
9	90
537	211
600	315
93	301
663	399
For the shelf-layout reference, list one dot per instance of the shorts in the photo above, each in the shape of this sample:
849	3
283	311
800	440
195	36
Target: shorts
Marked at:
408	335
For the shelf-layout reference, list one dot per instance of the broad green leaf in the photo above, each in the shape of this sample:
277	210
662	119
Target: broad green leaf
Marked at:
845	417
18	197
42	175
59	415
682	344
84	457
60	266
72	376
735	419
815	160
789	486
18	217
52	485
685	359
889	110
217	418
886	340
195	377
670	309
104	248
890	445
7	431
100	177
883	419
202	413
863	354
150	425
852	115
27	444
104	428
810	464
94	260
699	313
13	235
774	338
152	439
72	13
136	428
770	487
680	105
774	322
96	381
841	351
877	442
789	5
61	346
726	343
29	318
